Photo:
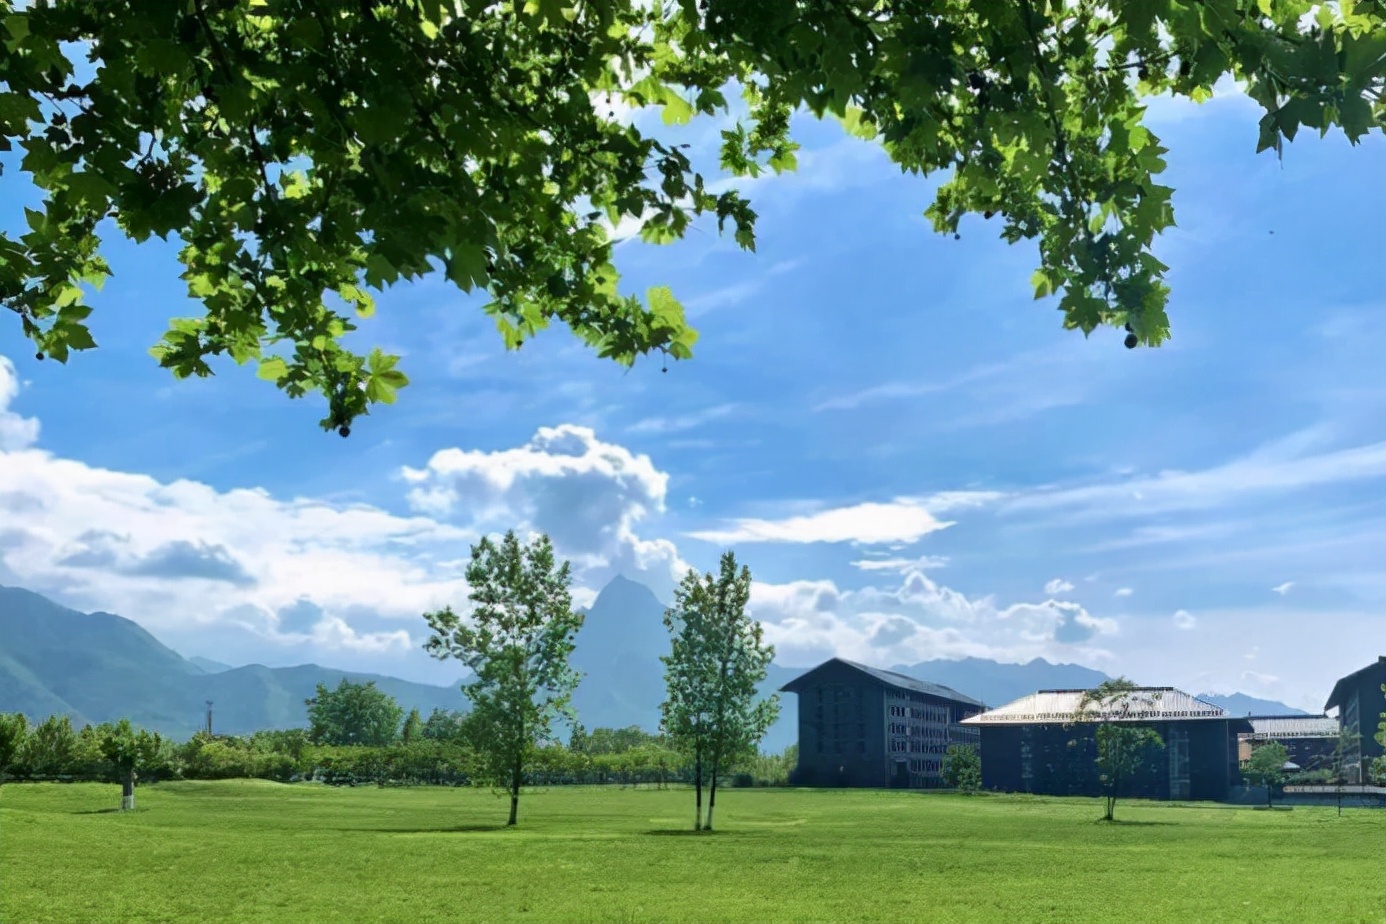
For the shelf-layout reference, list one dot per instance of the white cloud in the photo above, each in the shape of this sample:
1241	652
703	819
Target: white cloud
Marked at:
1057	586
1183	619
16	432
586	494
1258	472
902	565
918	620
683	421
902	520
1283	589
1123	592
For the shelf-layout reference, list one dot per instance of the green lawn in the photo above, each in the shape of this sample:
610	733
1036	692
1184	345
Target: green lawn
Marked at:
256	851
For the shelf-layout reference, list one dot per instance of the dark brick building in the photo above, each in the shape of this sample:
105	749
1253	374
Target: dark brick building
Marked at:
862	726
1360	703
1035	745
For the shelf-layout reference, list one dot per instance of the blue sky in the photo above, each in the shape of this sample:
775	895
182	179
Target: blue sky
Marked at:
911	454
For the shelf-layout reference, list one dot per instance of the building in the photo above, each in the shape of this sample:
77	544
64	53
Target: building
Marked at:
861	726
1036	744
1360	704
1310	740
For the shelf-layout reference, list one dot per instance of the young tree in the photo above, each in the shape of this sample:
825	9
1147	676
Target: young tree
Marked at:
962	768
127	750
717	656
294	174
1122	745
413	728
517	642
13	727
354	713
1267	767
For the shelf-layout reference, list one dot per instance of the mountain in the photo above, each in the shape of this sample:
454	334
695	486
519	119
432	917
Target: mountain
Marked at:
209	666
617	650
98	667
1241	704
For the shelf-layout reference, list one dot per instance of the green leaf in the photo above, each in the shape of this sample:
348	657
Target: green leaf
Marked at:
273	369
677	110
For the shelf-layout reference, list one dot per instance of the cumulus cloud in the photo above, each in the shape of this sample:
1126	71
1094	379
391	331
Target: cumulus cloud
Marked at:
16	432
586	494
1183	619
1057	586
918	620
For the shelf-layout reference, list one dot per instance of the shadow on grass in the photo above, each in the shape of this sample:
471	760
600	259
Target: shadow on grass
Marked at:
689	832
1123	823
434	829
104	811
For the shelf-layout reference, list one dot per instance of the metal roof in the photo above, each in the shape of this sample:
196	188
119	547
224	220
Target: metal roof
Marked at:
1293	726
1143	704
890	679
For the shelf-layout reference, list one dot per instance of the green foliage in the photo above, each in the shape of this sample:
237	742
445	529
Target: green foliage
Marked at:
962	768
354	713
50	748
444	725
128	750
718	654
413	728
1267	767
517	642
788	856
1122	746
13	730
299	176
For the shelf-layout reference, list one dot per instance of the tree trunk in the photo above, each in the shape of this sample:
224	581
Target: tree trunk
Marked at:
516	778
127	791
698	792
711	795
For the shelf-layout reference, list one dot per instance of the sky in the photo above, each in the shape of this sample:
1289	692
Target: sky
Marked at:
913	457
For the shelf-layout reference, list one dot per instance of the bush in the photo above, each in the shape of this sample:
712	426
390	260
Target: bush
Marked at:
962	768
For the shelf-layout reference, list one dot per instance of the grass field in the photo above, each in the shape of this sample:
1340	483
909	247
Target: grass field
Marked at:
257	851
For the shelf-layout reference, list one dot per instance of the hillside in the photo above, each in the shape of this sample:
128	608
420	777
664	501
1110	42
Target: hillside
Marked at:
98	667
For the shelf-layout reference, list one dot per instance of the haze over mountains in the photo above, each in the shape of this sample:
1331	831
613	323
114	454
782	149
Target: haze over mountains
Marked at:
99	667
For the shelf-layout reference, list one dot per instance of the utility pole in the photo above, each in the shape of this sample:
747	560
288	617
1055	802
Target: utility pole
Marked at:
209	718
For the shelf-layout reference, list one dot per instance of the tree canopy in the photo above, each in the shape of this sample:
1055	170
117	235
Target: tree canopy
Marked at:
353	713
307	153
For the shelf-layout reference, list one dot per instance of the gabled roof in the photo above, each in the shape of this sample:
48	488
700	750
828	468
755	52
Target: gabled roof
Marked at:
1293	726
1341	688
1143	704
888	678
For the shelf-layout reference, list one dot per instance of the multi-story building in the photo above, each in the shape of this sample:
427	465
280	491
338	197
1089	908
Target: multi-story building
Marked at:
862	726
1360	704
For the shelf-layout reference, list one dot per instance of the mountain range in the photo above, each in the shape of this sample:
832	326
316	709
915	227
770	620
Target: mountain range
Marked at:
99	667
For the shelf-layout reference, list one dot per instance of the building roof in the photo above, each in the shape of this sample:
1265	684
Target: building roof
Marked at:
1143	704
890	679
1341	688
1293	726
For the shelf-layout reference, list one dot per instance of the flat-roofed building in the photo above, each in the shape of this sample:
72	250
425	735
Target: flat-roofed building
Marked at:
1040	744
1310	740
863	726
